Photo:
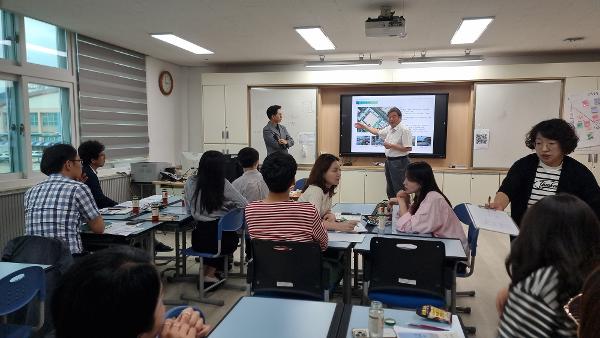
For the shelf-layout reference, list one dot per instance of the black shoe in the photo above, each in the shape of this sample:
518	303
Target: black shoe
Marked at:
162	247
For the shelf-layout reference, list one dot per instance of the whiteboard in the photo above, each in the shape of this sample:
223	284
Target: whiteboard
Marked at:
507	111
299	107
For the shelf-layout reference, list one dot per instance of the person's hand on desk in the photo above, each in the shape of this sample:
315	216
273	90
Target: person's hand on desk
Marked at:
329	217
188	324
346	226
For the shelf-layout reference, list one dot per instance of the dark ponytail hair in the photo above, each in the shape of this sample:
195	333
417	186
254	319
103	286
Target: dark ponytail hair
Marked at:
421	173
210	180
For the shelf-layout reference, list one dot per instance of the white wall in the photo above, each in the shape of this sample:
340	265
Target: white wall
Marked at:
194	116
167	115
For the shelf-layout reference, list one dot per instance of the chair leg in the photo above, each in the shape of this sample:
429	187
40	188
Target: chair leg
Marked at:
470	330
202	290
466	293
226	274
463	309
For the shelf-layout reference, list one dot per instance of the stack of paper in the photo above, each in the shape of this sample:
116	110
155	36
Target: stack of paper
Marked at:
120	229
115	211
492	220
345	237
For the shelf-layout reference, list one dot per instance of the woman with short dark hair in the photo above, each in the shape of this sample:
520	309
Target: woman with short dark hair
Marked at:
117	293
547	172
557	248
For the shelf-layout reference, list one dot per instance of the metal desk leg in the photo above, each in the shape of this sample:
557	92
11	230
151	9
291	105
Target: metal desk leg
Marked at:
347	287
177	255
355	255
453	291
242	252
151	244
183	257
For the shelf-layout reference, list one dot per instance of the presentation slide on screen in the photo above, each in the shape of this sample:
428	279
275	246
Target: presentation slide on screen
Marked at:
418	113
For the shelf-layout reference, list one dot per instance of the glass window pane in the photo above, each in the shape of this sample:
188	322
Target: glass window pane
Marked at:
7	36
46	44
9	148
49	109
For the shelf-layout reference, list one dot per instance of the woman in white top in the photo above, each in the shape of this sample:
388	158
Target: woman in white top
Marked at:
320	187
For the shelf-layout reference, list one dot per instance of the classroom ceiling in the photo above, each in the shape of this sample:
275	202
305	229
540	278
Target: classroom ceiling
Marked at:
261	31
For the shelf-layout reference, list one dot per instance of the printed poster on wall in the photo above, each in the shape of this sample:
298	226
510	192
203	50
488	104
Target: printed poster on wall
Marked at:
584	114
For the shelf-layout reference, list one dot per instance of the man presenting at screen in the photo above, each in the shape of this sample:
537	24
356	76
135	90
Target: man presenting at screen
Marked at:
398	144
275	134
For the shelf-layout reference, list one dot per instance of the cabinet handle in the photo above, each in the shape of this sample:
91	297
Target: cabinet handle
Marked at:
590	158
222	134
595	158
227	134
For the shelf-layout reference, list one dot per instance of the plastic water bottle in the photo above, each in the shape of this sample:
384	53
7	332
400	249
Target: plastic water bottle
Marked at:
381	220
376	320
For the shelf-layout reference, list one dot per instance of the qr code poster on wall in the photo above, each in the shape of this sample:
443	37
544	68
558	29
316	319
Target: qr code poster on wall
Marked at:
481	139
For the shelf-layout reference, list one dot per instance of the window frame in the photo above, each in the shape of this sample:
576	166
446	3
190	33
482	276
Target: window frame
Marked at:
22	73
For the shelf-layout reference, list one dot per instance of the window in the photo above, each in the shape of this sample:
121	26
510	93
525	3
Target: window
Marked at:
7	36
8	128
46	44
52	103
33	122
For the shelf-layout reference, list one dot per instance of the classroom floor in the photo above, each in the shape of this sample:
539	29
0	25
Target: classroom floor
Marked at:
489	276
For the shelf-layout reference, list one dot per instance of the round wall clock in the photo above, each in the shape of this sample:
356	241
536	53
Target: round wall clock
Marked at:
165	82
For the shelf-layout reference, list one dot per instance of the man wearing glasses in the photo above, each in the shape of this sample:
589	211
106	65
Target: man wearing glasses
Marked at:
57	206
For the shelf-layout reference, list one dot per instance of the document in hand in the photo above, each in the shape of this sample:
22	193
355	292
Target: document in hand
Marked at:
492	220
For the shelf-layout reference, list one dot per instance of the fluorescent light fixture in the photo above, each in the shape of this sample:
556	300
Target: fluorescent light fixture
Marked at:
470	30
342	63
181	43
440	59
315	37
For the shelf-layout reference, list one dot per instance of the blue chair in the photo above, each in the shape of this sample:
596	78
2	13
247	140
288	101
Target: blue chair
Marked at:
300	184
407	273
174	312
473	235
232	221
16	291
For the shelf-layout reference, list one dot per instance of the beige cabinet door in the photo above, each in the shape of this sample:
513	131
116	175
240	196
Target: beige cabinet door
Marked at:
213	113
352	188
375	185
483	186
236	114
215	146
457	187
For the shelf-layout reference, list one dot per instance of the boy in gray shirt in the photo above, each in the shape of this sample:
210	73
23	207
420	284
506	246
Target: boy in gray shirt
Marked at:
251	184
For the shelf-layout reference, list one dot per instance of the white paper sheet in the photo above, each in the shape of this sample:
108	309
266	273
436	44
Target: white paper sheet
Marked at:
120	228
340	217
345	237
492	220
115	211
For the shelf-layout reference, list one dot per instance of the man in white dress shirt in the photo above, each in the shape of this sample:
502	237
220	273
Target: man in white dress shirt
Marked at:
398	144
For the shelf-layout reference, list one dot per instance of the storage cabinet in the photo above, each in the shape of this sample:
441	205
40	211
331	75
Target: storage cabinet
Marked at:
457	187
352	188
375	186
225	115
483	186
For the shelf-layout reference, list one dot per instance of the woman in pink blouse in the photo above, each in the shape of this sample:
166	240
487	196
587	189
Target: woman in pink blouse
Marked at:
431	211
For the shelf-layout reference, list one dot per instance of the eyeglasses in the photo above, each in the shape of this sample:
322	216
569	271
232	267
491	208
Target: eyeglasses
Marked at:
80	161
573	308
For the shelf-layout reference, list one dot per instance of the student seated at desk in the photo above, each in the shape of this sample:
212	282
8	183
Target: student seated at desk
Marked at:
59	205
320	188
208	197
117	293
431	211
251	184
557	248
276	218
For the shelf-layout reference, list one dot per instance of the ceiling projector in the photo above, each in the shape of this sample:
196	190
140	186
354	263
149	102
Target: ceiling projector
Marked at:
385	25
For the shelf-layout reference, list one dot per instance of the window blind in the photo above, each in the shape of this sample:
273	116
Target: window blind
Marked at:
112	98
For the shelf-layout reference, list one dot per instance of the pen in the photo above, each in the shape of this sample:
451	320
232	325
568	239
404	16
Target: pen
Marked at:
427	327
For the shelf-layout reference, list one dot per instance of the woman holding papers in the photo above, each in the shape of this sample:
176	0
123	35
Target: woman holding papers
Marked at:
320	187
431	211
559	245
547	172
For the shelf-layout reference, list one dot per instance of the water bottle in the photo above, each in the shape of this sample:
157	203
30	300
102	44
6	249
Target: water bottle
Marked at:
381	220
376	320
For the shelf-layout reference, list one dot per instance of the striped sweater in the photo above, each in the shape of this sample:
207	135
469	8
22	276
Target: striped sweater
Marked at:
285	221
533	308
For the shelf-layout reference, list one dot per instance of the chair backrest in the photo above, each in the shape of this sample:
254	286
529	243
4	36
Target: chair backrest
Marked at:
39	250
410	267
473	235
300	184
20	287
287	269
231	221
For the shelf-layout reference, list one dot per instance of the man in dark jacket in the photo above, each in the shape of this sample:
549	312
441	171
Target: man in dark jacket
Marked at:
92	154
